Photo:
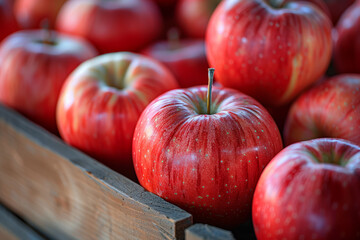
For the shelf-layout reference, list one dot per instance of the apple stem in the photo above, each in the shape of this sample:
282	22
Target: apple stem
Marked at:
47	37
277	3
210	84
173	37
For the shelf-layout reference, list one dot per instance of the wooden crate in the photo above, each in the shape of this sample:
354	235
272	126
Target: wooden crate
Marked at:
67	195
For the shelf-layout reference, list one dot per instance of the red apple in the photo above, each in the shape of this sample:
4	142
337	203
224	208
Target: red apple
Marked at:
207	164
34	66
347	41
310	190
318	3
185	58
330	109
193	16
118	25
8	24
102	100
271	50
31	13
337	8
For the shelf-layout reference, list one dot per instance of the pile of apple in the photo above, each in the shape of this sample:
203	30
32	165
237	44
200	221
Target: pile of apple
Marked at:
103	75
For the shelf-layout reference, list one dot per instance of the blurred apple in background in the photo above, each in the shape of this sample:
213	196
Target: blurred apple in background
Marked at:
31	13
310	190
337	8
8	22
330	109
101	103
33	66
207	163
118	25
267	49
186	59
347	41
193	16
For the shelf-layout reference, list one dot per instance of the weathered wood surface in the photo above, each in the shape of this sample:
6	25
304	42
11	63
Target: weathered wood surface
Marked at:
68	195
206	232
11	228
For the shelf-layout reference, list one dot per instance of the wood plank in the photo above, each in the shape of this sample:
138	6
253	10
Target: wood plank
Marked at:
12	228
207	232
68	195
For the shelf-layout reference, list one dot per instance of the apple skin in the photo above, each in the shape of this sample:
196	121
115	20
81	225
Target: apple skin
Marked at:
206	164
185	58
310	190
193	16
337	8
102	100
347	41
8	24
255	47
31	13
32	72
330	109
112	26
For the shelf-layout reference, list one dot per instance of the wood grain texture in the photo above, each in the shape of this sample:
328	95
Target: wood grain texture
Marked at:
68	195
11	228
206	232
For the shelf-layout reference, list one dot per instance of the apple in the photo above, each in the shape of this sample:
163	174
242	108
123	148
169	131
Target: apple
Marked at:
8	24
337	8
118	25
330	109
347	41
33	66
31	13
193	16
102	100
310	190
185	58
318	3
270	50
206	160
